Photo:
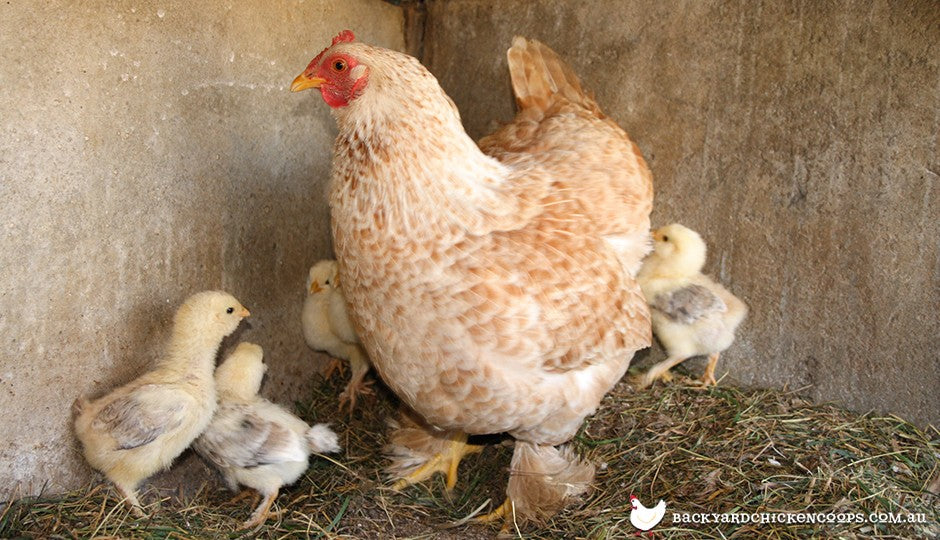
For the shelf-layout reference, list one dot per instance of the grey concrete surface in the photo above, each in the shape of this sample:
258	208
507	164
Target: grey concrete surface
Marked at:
149	150
800	138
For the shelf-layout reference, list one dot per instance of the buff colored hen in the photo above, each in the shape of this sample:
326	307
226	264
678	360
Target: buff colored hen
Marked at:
492	285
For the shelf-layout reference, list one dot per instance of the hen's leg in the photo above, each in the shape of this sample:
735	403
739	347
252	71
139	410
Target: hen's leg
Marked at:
656	372
542	480
418	452
708	378
446	461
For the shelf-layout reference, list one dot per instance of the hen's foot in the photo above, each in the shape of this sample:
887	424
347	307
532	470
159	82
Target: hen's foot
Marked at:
503	513
445	462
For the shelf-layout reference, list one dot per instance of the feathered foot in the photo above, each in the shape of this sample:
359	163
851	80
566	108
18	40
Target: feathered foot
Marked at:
708	378
542	481
261	513
658	371
418	453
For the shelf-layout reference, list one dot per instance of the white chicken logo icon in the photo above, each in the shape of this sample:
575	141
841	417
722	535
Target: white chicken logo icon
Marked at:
646	518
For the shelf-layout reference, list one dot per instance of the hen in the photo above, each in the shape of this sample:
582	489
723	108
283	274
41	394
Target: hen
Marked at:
141	427
692	315
491	285
327	327
252	441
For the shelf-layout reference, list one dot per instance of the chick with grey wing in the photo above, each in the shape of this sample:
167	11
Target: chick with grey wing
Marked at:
686	305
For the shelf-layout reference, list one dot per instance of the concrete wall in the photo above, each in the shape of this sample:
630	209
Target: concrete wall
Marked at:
799	137
148	151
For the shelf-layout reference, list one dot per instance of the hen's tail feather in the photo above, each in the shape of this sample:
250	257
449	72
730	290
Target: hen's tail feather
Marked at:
544	479
540	78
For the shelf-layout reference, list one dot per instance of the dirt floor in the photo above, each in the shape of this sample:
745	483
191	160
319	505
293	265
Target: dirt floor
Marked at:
716	450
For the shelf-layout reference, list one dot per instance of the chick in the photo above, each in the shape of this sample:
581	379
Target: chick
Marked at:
327	327
691	314
141	427
252	441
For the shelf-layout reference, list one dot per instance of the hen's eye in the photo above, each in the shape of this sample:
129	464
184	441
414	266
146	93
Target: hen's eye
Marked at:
230	310
339	65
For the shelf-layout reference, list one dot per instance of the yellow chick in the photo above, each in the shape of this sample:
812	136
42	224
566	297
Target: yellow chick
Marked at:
252	441
327	327
691	314
141	427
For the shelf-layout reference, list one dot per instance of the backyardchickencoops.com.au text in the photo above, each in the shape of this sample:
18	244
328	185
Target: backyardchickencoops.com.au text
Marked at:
798	518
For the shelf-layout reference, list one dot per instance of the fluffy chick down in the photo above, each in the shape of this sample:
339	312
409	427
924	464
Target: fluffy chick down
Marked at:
691	314
252	441
141	427
327	326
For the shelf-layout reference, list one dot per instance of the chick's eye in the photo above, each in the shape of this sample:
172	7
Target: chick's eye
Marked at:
230	310
339	65
665	238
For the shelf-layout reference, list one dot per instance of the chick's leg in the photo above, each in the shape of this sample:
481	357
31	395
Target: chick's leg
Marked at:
708	378
255	496
333	366
359	367
129	494
260	515
658	371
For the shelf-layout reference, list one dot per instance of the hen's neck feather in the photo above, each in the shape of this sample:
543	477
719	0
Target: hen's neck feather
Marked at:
403	163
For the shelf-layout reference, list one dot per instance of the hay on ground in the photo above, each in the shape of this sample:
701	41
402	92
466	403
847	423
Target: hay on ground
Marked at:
714	451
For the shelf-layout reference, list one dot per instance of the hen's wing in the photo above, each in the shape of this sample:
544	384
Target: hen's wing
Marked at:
688	304
239	437
593	192
142	415
589	160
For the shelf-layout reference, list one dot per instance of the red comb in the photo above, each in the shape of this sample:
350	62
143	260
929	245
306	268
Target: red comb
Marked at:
346	36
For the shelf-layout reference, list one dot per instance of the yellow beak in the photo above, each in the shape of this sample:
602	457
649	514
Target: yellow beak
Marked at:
303	82
315	288
245	313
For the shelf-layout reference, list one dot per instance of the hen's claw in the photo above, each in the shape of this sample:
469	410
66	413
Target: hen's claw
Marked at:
446	462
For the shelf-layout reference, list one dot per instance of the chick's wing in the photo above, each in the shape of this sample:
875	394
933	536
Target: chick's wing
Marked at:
142	415
239	437
688	304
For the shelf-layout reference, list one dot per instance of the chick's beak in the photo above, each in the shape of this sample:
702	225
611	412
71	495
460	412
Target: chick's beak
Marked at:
315	287
244	313
304	81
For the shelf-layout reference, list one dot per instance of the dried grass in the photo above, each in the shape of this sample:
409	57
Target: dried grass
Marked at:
715	450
